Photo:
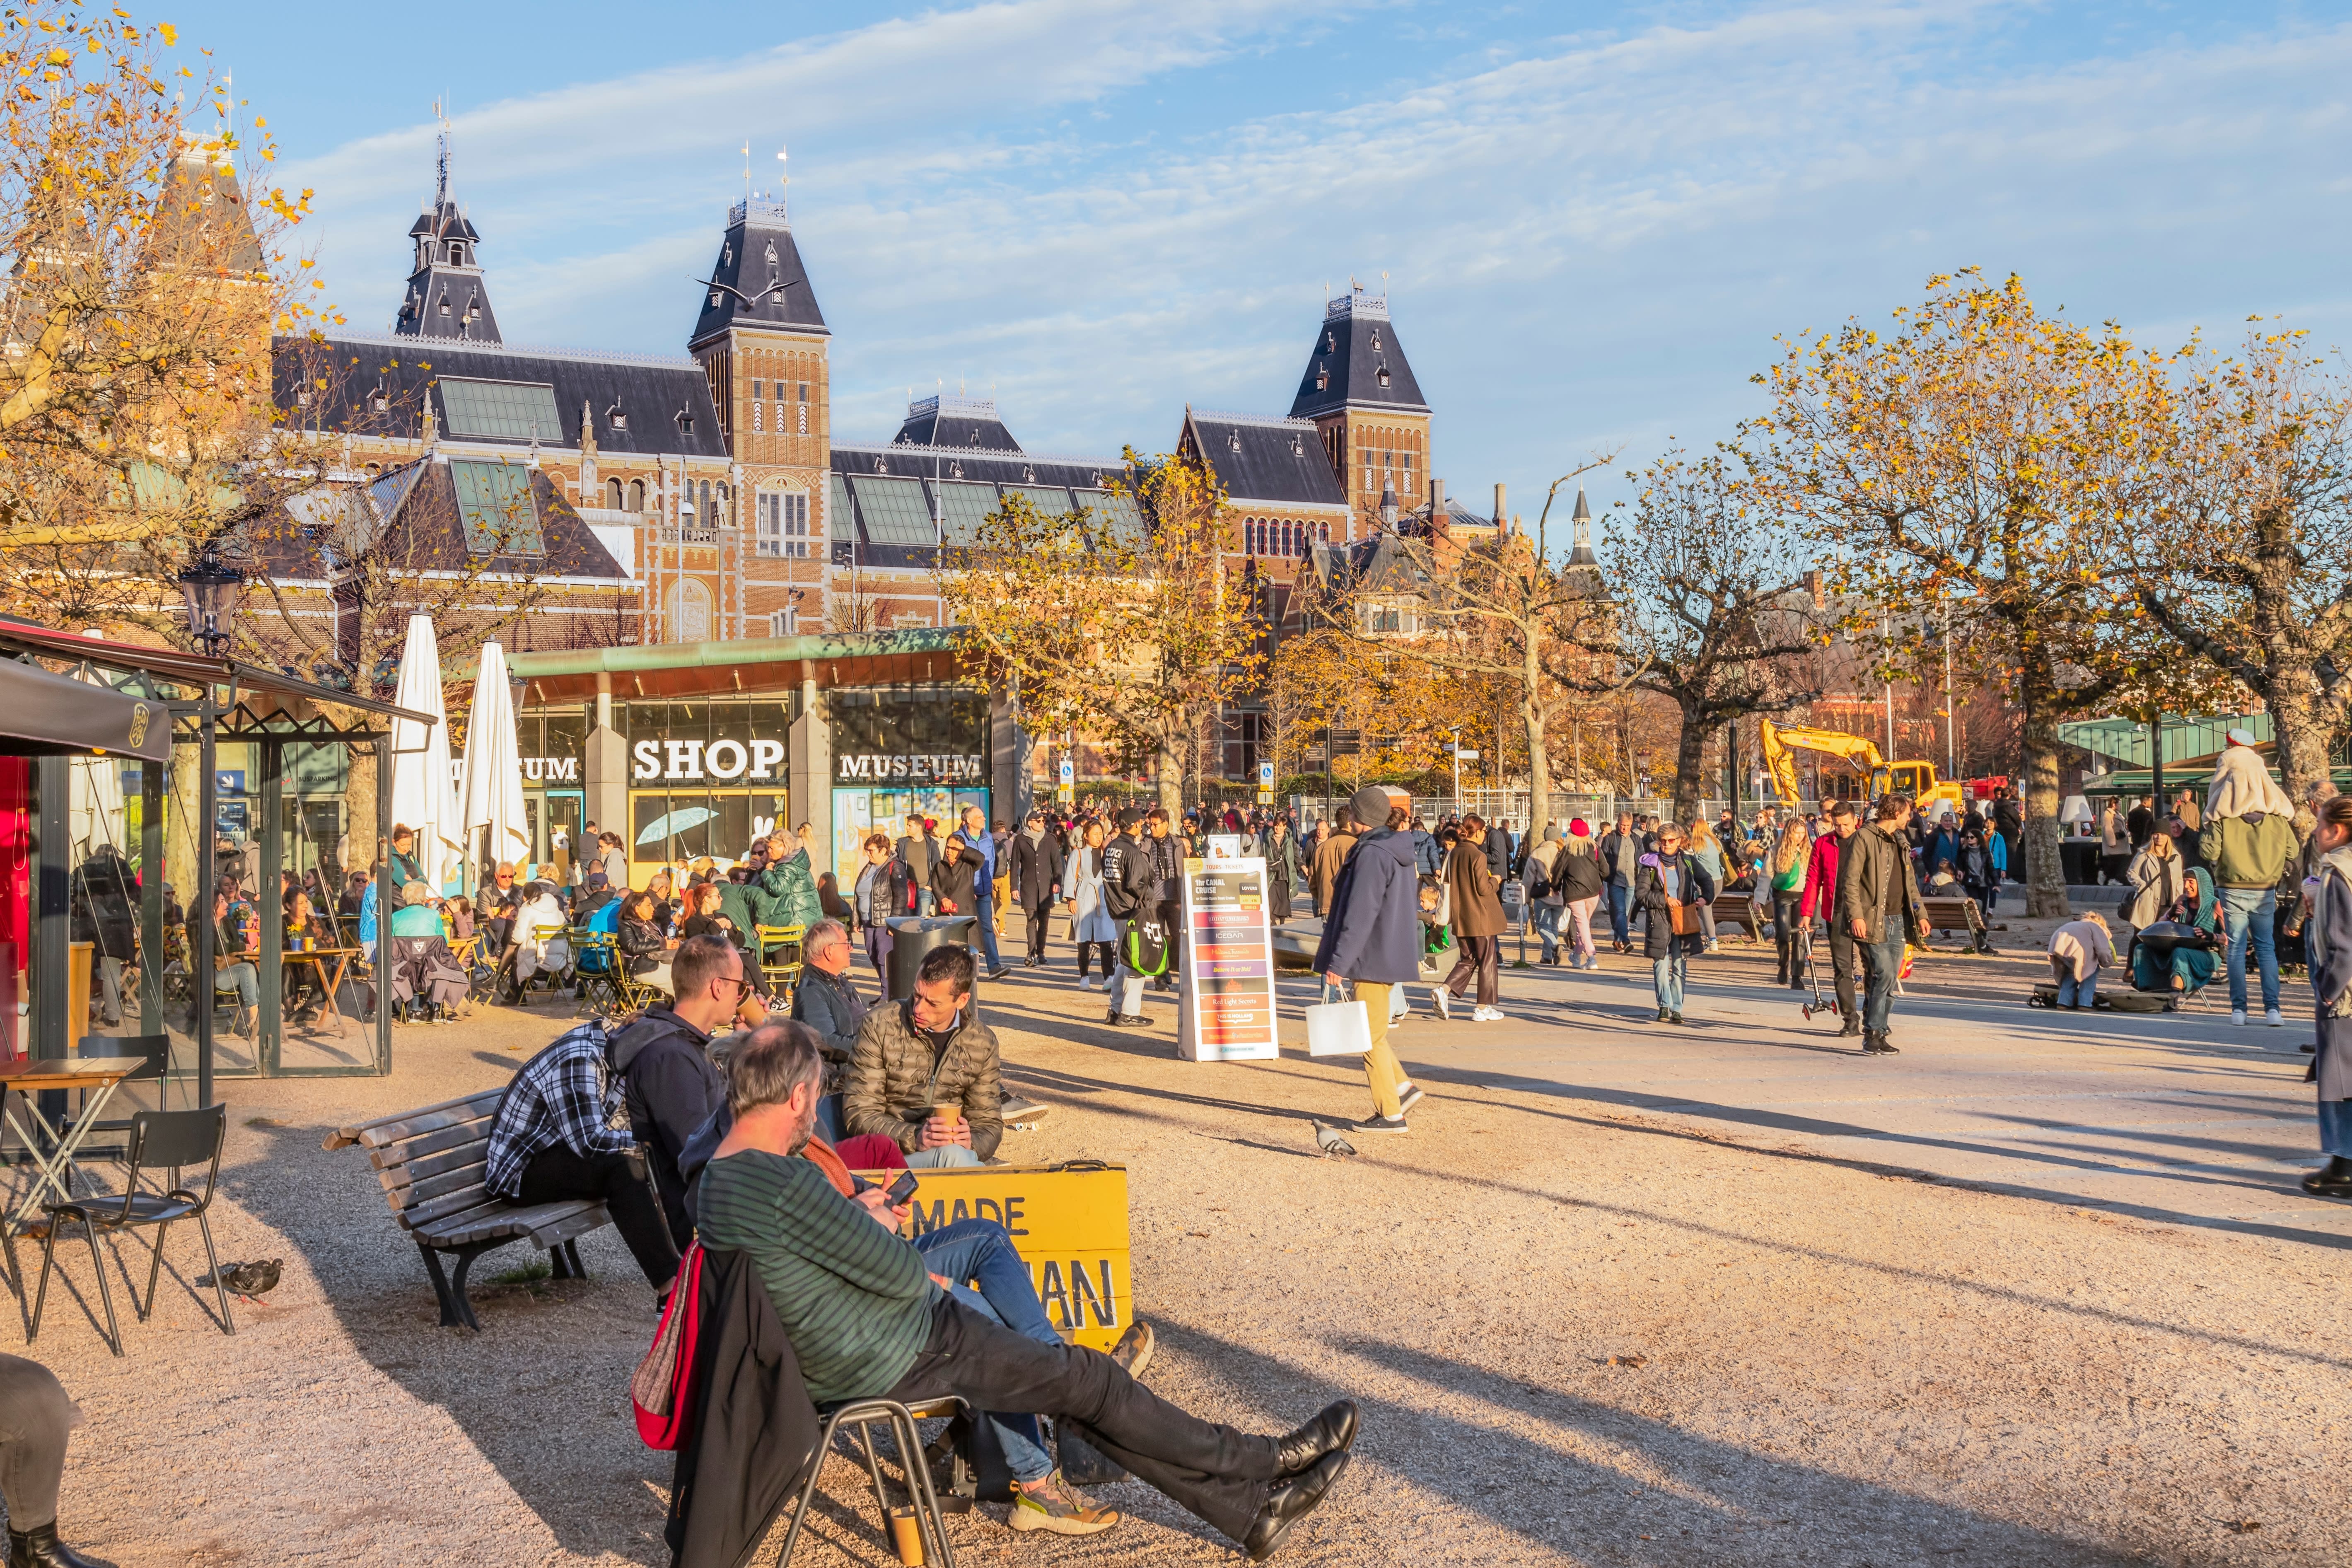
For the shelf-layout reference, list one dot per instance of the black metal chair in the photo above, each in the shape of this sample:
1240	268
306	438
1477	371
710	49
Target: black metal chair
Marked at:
176	1139
863	1415
156	1049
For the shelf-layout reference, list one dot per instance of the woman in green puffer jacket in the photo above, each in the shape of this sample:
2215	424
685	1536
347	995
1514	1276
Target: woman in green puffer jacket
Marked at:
784	892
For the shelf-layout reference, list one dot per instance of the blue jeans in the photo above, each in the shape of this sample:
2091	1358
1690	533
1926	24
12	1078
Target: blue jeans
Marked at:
1619	897
1667	975
941	1158
985	907
2083	993
2335	1127
242	979
2252	914
1882	966
991	1278
1546	924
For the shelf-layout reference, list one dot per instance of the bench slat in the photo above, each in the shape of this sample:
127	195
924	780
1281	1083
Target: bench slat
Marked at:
418	1171
593	1217
436	1187
426	1219
392	1130
393	1156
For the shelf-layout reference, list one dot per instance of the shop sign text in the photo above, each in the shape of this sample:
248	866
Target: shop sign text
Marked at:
720	760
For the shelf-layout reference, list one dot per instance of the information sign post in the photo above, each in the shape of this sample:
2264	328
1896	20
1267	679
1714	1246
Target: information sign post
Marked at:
1225	1012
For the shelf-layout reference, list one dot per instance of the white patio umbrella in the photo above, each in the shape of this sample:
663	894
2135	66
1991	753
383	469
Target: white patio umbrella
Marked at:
421	796
491	793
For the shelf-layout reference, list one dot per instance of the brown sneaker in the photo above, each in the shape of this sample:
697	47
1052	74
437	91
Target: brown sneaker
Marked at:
1056	1506
1134	1348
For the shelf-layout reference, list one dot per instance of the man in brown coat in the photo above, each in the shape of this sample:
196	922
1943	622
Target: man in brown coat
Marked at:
1878	898
1479	925
926	1054
1323	871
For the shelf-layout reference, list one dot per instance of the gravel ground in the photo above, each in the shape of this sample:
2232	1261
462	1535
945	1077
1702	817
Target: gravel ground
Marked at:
1581	1335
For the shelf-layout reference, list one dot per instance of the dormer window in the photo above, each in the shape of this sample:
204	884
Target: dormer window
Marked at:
881	465
457	255
444	305
1376	337
726	255
1234	441
1028	476
1331	342
1322	379
955	470
1297	446
685	418
714	296
615	418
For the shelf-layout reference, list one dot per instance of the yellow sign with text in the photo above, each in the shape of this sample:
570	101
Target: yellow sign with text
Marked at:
1068	1223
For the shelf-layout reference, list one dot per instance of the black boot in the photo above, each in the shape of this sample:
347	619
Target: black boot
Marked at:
2333	1180
40	1548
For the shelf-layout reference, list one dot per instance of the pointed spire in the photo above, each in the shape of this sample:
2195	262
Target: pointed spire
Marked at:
1580	552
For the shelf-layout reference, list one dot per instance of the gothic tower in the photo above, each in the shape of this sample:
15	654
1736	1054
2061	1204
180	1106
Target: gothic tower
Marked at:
445	297
1362	397
761	342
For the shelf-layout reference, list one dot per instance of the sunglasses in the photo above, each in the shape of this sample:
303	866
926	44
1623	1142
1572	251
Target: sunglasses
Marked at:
742	987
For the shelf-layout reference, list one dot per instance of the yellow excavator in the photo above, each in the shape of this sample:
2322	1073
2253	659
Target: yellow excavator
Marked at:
1917	779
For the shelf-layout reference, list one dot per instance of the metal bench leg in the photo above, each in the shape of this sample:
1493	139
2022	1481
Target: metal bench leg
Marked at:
556	1267
449	1318
466	1256
572	1251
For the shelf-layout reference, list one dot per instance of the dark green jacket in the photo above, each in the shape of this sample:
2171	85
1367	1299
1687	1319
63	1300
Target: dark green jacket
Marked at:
785	895
1871	869
2249	851
855	1300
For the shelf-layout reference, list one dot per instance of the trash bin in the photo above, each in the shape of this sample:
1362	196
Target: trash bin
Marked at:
912	936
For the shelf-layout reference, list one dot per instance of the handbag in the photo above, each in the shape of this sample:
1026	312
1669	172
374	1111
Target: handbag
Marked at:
662	1390
1339	1029
1681	919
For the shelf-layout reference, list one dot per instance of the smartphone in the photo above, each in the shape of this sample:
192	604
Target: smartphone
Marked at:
902	1191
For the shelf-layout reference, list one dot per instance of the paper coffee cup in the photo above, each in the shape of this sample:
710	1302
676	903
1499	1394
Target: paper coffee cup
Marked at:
951	1114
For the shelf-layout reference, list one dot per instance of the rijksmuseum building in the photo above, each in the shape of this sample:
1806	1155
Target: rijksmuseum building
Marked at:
784	659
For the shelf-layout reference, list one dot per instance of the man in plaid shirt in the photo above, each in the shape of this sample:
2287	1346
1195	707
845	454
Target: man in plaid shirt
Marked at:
554	1138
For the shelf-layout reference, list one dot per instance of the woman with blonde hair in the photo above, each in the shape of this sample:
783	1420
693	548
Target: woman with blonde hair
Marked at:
1790	854
1707	850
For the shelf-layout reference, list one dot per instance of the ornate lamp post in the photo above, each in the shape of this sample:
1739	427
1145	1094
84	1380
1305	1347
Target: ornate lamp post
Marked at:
212	588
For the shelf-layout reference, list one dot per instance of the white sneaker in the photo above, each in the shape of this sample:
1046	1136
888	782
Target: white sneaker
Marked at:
1086	982
2238	1016
2275	1018
1486	1015
1443	1000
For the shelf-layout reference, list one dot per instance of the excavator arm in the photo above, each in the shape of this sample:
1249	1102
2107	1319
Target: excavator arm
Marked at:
1782	742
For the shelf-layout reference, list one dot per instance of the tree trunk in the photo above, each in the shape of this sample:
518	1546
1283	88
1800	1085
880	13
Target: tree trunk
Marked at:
1168	773
2299	718
1538	750
2045	868
1690	750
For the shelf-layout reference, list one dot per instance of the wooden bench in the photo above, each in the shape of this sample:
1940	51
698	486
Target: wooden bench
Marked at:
430	1162
1946	913
1739	910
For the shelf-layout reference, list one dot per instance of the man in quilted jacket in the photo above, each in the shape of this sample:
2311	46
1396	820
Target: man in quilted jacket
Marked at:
927	1052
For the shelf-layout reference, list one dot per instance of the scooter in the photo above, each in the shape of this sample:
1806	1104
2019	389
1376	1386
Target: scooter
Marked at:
1812	977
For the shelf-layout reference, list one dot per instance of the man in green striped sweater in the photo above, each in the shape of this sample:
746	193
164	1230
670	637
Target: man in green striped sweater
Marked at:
866	1320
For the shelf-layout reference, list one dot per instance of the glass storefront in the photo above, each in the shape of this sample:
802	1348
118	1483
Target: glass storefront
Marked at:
901	748
552	743
705	778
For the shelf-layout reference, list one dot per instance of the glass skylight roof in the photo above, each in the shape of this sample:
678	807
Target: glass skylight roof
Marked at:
502	410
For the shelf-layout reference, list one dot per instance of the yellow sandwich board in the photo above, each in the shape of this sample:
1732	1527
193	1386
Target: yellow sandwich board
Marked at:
1069	1224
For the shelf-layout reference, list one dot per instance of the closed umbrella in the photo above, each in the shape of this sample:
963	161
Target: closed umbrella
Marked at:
421	795
492	790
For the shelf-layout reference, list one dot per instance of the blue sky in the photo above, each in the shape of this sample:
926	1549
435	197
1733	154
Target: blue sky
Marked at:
1593	219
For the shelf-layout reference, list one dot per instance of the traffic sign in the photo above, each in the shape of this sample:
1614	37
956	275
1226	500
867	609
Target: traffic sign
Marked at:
1266	798
1467	754
1067	794
1069	772
1265	776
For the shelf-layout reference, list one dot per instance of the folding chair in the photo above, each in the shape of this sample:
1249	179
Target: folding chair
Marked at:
596	964
784	972
175	1139
864	1415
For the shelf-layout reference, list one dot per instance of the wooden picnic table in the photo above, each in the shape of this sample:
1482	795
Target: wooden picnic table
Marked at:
100	1075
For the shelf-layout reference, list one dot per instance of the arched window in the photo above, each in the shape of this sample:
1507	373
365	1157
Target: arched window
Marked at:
636	495
689	611
612	497
709	518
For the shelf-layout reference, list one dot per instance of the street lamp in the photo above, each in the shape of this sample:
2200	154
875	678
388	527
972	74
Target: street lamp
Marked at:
212	588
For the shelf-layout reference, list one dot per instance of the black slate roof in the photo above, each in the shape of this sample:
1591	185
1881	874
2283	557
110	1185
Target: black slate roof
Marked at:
412	515
966	422
1259	460
758	279
445	297
1357	362
639	404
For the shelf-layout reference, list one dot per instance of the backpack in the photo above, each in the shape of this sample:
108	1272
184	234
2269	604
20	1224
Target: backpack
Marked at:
663	1388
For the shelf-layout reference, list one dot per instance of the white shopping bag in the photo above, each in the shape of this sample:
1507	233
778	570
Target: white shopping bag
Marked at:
1130	992
1339	1029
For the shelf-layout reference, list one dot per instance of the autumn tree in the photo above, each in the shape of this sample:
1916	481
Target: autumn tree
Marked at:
1119	622
146	275
1709	611
1489	610
1982	459
2256	572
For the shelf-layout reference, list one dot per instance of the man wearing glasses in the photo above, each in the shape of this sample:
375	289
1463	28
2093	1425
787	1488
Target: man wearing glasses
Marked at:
669	1085
496	911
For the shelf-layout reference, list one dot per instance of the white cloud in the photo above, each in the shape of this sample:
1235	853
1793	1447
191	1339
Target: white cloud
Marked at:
1591	239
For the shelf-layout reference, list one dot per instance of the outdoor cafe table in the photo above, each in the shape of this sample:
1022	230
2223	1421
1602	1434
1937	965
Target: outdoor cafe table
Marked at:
100	1075
317	957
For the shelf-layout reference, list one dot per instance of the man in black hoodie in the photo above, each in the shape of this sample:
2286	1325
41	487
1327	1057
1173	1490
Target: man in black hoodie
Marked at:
1130	888
669	1083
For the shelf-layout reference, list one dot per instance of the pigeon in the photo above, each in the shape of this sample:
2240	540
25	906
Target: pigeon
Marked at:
1328	1140
248	1281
